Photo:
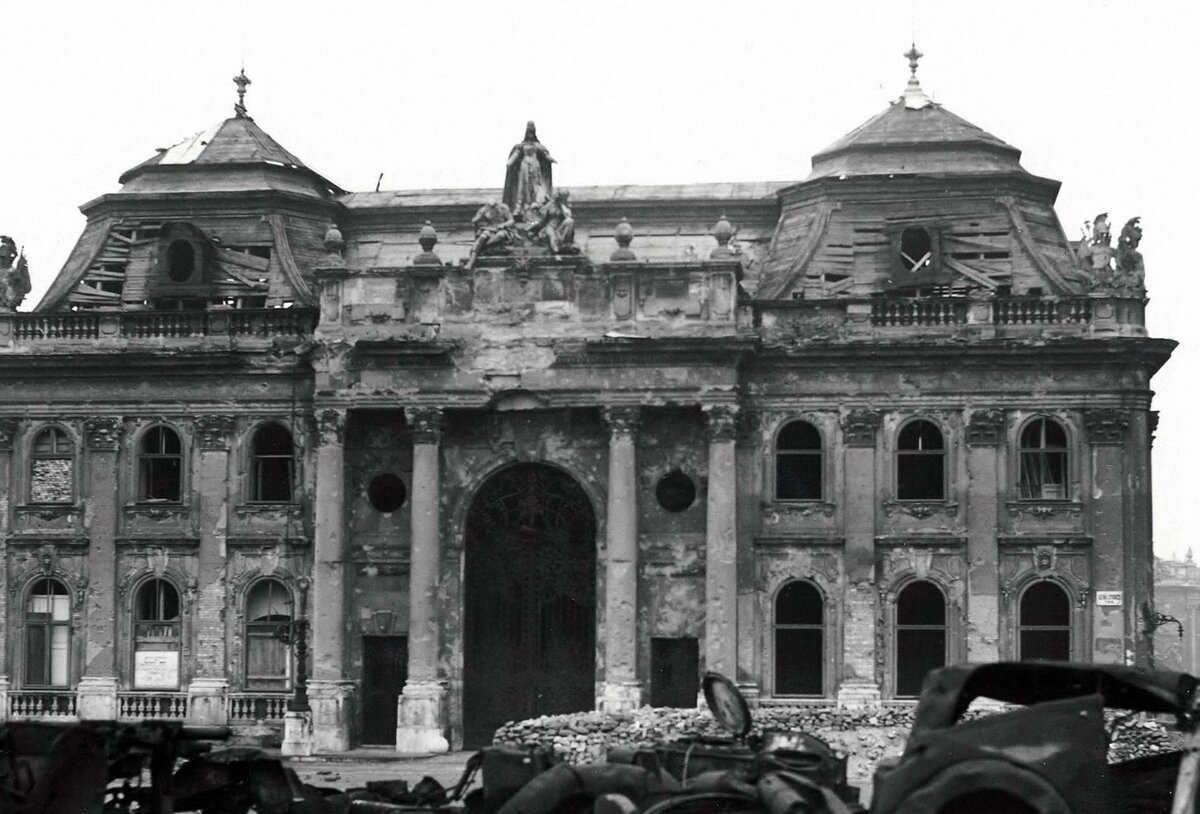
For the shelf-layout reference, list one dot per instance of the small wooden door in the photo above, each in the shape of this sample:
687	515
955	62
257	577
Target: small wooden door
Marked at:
385	668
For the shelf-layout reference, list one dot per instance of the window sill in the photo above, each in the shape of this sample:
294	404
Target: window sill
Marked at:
158	510
1044	508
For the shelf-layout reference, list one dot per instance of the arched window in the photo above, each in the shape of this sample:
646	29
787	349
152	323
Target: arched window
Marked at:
157	629
181	261
920	635
1045	623
48	634
920	462
799	640
160	466
1043	467
271	476
798	462
52	467
268	659
916	250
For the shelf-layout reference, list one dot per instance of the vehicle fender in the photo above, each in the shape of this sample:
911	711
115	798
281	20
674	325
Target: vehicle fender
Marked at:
982	774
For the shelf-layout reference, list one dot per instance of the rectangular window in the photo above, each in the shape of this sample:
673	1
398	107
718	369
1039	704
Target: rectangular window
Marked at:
273	479
161	479
917	652
799	658
674	671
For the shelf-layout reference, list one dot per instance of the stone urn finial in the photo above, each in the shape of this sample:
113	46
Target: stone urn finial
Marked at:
428	238
334	242
723	231
624	236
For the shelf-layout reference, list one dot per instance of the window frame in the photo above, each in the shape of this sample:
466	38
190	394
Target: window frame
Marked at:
72	456
900	454
176	624
822	627
1069	627
898	627
144	458
254	489
1043	453
781	455
48	625
259	683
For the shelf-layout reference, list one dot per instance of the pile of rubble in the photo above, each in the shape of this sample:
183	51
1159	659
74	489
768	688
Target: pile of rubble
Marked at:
864	736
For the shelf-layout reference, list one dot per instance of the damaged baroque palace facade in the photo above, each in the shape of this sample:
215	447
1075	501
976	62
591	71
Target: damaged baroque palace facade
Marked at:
514	452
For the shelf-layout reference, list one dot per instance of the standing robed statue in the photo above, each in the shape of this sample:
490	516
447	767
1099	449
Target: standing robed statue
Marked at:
528	178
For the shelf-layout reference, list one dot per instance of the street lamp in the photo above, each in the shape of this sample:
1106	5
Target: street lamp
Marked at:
295	632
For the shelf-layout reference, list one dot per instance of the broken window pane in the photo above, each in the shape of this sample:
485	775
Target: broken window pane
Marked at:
920	462
271	479
160	467
1043	466
48	635
798	462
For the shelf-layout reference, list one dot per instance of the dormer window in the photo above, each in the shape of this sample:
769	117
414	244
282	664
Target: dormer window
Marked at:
916	250
181	261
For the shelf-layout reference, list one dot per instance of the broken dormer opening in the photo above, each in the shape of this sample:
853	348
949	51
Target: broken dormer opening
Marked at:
916	249
181	261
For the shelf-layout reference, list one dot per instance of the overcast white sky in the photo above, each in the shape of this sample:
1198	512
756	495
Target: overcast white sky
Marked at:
1099	95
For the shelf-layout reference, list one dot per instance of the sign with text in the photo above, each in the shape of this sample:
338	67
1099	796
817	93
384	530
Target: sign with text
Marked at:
156	670
1110	599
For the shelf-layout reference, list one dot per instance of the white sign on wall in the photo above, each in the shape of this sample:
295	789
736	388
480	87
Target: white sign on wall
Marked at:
156	669
1110	599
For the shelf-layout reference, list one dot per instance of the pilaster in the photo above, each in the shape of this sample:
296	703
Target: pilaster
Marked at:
421	715
985	432
8	433
1114	629
211	492
102	437
622	691
860	684
720	581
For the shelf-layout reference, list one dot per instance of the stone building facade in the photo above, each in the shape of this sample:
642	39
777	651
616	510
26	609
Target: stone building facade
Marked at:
819	436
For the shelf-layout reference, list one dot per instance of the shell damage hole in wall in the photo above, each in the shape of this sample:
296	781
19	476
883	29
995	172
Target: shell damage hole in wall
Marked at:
386	492
676	492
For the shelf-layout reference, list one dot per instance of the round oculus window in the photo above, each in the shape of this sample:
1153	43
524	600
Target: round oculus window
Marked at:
386	492
676	492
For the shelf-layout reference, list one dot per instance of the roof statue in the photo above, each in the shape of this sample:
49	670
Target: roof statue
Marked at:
241	80
529	178
14	275
1119	271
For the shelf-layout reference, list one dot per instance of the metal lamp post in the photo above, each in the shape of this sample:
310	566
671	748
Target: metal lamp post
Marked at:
295	633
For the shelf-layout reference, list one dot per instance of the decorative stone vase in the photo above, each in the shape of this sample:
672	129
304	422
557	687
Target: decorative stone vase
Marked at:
723	232
624	236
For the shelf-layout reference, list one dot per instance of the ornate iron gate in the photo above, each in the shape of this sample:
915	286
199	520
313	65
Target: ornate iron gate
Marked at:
530	600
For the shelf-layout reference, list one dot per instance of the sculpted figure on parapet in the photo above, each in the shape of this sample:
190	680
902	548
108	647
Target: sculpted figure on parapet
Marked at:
494	227
14	274
555	226
529	175
1121	272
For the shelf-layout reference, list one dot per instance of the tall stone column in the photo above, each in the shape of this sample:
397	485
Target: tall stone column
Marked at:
209	686
720	580
97	690
330	691
422	717
622	691
1114	629
860	685
8	606
985	431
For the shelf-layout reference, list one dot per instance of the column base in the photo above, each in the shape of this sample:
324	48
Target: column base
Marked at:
859	695
206	701
298	738
620	696
421	719
96	698
332	705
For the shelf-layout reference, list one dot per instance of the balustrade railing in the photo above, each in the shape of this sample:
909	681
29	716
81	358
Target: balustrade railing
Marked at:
1037	311
247	707
170	706
42	704
258	322
924	311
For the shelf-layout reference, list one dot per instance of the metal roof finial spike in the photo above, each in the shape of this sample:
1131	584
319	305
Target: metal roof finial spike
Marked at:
914	97
241	80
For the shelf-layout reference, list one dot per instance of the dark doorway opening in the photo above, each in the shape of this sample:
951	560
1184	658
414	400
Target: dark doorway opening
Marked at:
530	600
385	669
674	671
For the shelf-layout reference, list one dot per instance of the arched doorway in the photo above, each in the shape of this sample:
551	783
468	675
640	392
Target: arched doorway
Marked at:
529	633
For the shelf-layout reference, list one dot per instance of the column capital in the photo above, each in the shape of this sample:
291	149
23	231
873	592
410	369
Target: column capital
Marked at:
425	423
985	428
858	428
1106	426
622	420
103	433
331	426
213	431
8	433
721	422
